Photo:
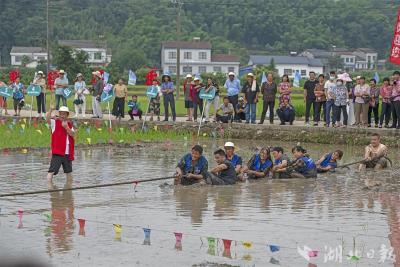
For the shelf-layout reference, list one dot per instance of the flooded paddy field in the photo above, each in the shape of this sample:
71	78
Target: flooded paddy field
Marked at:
334	215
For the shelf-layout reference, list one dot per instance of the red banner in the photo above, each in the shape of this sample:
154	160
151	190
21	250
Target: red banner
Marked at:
395	51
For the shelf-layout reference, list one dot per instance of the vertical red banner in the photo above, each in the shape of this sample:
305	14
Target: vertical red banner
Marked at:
51	78
395	51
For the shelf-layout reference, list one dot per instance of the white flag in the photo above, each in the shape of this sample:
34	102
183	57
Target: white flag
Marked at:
131	78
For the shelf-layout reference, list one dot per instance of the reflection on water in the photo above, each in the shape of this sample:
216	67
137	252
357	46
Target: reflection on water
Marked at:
334	210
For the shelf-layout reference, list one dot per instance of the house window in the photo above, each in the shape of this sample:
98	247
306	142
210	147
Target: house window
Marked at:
287	71
97	56
172	69
202	55
231	69
303	72
374	58
351	60
202	69
187	69
41	58
171	55
18	59
187	55
217	69
369	58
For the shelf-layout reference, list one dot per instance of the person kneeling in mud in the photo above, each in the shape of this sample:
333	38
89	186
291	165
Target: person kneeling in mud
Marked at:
375	155
224	173
303	166
329	161
192	168
280	163
259	165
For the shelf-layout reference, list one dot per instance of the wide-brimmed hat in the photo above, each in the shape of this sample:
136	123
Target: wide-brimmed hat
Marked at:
97	73
196	79
345	77
165	75
189	76
40	72
241	98
250	74
79	75
61	72
229	144
231	74
63	109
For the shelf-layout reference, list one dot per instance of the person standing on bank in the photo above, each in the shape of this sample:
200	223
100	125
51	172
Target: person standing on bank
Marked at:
60	84
232	86
167	89
320	99
96	95
309	96
62	143
386	94
210	86
197	102
121	93
330	102
269	90
188	89
341	100
363	96
80	99
40	99
251	90
395	83
373	103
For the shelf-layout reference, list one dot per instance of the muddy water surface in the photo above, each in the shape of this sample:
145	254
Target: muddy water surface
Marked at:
332	212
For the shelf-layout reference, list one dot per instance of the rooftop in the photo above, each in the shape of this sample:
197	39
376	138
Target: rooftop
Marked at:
187	44
30	50
296	60
224	58
82	43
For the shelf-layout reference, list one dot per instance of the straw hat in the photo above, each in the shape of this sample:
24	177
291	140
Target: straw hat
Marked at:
189	76
250	74
196	79
63	109
40	72
231	74
79	75
61	72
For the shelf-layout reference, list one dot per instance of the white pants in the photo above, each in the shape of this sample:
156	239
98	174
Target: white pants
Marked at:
81	107
97	112
215	101
350	112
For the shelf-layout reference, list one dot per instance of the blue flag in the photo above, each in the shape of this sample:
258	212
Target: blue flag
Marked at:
131	78
376	77
106	76
297	78
263	78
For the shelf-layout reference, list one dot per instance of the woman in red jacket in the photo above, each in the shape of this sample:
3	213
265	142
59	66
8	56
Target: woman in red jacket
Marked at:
190	96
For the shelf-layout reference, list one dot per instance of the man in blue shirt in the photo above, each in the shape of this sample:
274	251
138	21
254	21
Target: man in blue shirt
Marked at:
232	85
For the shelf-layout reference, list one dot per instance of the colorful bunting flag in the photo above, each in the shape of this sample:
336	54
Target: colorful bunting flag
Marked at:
20	213
47	216
227	244
147	232
274	248
117	228
178	237
24	151
23	126
81	223
313	253
88	130
247	244
89	140
211	241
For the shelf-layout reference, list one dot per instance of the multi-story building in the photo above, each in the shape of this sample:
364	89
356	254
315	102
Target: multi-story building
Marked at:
33	55
98	52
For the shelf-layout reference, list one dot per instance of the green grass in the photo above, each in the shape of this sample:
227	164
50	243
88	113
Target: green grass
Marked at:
297	100
19	134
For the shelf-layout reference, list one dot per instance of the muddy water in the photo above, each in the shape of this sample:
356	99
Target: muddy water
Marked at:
325	214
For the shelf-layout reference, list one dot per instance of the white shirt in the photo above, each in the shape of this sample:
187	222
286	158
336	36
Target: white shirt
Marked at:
53	128
329	86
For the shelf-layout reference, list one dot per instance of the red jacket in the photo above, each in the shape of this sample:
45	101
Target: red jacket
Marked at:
192	92
59	140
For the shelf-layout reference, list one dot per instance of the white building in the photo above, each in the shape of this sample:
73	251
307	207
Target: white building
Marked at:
196	57
98	53
289	64
33	54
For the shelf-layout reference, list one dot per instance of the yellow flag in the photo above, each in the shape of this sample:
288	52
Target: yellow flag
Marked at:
89	140
117	228
39	131
24	120
247	244
99	129
155	128
23	126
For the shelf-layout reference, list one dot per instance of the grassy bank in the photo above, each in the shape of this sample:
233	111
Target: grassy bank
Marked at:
19	134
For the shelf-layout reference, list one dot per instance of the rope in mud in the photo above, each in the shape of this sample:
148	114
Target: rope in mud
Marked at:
135	182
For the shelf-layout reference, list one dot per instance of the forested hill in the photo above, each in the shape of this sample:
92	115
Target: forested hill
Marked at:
135	28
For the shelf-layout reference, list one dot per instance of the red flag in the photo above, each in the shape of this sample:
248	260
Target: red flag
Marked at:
395	51
150	76
51	78
13	75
